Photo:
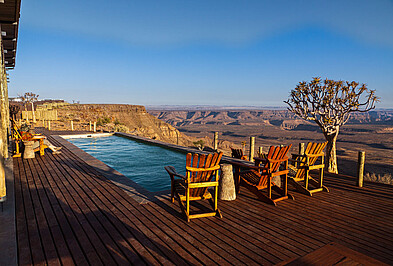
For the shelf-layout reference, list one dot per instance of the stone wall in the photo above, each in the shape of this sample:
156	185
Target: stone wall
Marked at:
40	115
4	122
4	107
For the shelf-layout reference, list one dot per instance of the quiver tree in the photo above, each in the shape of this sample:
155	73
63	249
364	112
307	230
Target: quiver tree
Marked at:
329	103
29	97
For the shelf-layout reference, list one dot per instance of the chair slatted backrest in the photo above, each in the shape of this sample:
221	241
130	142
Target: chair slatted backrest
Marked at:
277	153
311	149
237	153
201	161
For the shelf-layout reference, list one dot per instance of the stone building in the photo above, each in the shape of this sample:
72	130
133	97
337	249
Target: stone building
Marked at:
9	23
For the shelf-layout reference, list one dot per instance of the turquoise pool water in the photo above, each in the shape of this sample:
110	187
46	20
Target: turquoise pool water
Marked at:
142	163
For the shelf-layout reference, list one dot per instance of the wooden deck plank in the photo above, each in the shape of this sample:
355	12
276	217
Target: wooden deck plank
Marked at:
142	217
209	238
104	203
62	214
48	202
99	223
38	256
232	259
24	254
107	202
68	212
48	243
95	232
76	236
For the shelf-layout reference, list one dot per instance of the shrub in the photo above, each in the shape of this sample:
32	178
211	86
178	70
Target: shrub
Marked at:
380	178
103	121
200	144
121	128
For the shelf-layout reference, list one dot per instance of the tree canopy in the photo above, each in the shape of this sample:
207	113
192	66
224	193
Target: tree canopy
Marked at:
329	103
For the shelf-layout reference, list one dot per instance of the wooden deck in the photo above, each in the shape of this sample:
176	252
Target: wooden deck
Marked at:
68	213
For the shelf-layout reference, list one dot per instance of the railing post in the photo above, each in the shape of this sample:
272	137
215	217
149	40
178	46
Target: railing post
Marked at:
95	127
72	125
48	124
43	123
260	151
89	125
215	140
361	159
301	148
252	148
244	147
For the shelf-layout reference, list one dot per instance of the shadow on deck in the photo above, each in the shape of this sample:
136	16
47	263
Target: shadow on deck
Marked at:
67	212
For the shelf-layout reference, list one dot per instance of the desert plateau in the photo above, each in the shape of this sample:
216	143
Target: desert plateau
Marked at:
370	132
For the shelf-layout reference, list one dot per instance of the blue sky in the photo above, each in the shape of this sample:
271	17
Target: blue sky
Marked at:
199	52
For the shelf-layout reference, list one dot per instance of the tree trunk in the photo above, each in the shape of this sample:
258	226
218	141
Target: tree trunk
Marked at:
331	158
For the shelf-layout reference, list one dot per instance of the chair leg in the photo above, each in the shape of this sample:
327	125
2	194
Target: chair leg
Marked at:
218	213
321	177
172	193
183	209
306	180
269	187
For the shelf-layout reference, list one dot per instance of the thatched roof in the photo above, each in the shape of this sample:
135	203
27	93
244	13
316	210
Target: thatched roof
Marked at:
9	22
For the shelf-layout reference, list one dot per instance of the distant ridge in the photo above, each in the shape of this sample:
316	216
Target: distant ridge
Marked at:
211	107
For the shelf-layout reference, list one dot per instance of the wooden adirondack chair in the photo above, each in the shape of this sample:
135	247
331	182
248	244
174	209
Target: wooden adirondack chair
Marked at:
238	154
19	136
303	163
201	173
258	178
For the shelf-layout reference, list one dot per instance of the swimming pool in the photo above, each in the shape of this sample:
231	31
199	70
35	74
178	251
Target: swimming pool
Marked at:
142	163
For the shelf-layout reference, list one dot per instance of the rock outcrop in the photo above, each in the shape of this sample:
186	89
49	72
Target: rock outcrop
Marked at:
121	117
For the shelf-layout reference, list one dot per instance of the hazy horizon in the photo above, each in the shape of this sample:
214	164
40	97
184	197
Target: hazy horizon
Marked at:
200	53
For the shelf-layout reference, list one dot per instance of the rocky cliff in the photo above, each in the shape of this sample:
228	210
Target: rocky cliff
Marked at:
121	117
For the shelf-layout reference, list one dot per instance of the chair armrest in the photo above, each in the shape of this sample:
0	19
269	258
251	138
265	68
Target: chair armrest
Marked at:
316	155
260	159
298	155
193	169
296	161
285	158
249	166
172	172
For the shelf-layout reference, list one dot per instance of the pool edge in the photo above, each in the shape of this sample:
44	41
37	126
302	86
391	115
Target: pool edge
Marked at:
131	188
